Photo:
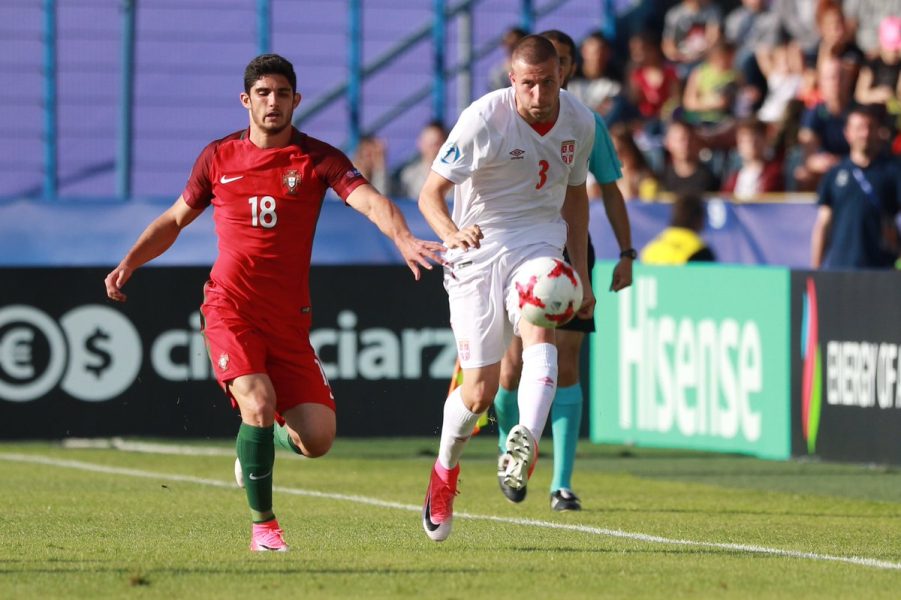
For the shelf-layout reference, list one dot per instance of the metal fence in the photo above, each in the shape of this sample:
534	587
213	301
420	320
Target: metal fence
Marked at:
113	99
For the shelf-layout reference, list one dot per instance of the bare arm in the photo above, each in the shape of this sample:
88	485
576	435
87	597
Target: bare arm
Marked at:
434	209
156	239
615	207
575	213
820	236
390	221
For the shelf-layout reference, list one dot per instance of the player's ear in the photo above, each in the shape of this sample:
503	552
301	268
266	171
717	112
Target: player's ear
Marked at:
297	97
245	100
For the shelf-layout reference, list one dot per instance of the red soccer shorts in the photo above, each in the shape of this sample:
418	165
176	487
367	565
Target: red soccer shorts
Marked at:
281	349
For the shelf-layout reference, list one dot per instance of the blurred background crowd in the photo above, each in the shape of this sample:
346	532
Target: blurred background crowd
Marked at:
745	98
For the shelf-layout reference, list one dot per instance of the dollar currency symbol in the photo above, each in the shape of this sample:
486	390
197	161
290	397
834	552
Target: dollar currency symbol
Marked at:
93	347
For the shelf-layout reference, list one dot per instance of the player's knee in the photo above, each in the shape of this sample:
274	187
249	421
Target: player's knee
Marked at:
314	446
479	398
257	409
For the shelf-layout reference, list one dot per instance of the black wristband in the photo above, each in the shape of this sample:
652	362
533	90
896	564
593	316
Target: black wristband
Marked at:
629	253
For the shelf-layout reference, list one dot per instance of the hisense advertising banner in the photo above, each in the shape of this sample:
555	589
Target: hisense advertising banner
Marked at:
693	357
846	352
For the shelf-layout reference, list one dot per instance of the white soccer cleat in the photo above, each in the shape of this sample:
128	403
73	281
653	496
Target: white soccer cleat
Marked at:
522	450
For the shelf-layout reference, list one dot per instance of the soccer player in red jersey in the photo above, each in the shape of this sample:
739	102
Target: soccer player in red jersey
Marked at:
266	184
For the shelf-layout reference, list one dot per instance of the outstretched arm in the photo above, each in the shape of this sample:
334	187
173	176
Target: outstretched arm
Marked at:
155	240
575	213
390	221
615	207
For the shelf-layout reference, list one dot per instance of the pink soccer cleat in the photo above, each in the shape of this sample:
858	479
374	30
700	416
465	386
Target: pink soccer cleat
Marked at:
438	509
268	537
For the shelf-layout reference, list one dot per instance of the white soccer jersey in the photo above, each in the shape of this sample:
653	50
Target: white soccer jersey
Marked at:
510	180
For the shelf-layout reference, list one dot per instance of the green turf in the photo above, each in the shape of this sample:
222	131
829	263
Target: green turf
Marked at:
67	533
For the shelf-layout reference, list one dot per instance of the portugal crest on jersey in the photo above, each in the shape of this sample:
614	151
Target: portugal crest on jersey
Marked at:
568	151
291	180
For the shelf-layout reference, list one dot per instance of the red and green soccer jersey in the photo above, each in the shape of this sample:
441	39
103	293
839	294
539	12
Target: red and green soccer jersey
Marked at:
266	204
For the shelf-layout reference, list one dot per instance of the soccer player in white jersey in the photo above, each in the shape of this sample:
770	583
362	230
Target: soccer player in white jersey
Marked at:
566	411
519	160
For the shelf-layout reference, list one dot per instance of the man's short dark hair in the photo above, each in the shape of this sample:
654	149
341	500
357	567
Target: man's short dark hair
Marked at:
688	212
269	64
534	50
555	35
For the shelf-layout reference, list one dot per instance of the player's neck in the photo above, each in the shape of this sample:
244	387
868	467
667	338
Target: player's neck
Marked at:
263	139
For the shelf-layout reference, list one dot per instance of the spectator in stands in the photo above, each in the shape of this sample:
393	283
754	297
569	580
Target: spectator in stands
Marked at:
798	19
822	137
711	90
638	180
685	174
859	200
370	160
879	81
864	18
499	76
690	29
429	142
681	242
756	174
749	27
598	83
834	41
782	64
652	82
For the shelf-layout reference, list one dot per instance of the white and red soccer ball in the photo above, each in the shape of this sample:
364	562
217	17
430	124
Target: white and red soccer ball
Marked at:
548	291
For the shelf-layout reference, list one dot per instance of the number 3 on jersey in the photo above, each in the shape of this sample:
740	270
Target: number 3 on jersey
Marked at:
542	173
262	212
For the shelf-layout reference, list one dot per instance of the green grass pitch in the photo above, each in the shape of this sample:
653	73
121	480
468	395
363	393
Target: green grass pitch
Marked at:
114	523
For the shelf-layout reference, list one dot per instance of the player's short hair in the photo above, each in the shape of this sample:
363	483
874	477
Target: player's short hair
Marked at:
688	212
269	64
534	50
555	35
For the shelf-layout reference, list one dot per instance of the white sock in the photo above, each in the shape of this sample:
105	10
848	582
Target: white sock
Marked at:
537	386
456	429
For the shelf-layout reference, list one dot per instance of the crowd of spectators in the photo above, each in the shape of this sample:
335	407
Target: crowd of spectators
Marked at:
743	98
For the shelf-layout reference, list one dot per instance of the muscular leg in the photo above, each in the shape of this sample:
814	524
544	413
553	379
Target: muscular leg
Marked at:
505	401
255	447
566	413
310	429
462	410
538	382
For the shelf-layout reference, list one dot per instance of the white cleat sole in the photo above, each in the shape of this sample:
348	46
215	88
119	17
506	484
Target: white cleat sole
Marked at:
521	450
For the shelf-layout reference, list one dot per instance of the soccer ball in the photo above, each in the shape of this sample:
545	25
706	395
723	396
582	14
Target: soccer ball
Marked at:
548	291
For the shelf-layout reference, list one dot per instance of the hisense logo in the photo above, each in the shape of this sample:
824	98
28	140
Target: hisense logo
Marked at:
700	377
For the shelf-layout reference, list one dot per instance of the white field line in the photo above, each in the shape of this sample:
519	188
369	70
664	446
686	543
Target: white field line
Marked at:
117	443
598	531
